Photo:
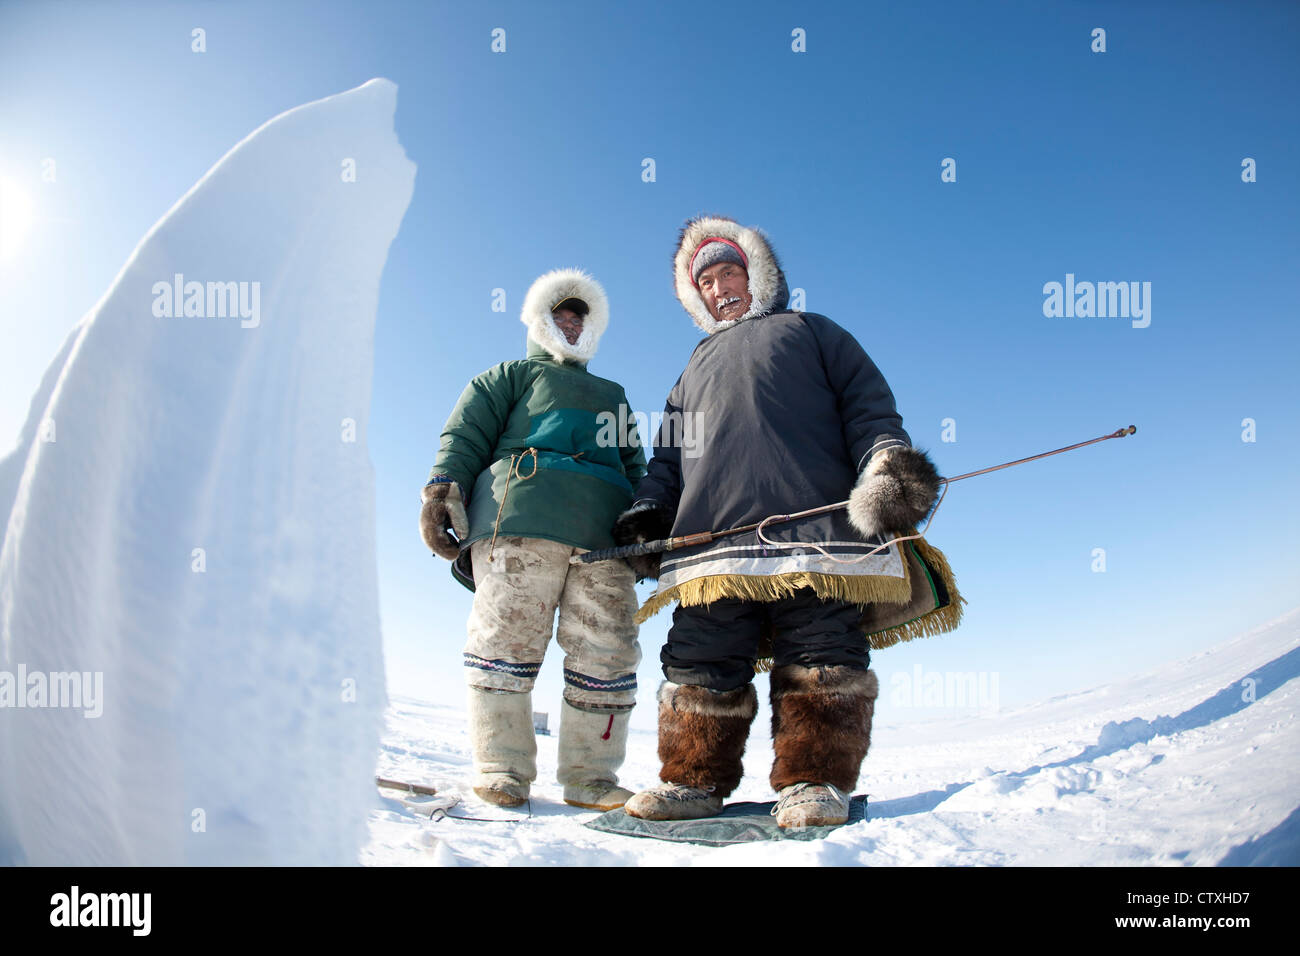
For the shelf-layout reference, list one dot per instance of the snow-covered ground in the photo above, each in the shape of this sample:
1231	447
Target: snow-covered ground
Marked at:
1195	763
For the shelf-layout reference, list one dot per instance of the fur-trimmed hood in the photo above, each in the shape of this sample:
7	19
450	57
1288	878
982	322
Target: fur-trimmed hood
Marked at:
548	292
766	280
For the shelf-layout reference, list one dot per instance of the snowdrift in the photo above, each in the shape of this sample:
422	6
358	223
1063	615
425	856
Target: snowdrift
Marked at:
190	659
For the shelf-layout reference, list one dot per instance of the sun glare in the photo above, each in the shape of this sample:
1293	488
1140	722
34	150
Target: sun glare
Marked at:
15	218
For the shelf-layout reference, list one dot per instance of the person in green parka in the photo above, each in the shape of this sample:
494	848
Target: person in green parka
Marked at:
528	474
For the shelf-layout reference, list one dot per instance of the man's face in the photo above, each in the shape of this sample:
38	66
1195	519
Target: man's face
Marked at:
569	323
724	287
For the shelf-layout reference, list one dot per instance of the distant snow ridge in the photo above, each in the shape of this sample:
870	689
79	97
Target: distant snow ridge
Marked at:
188	518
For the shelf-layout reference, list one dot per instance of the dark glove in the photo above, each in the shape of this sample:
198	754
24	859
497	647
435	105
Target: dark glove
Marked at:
646	520
894	493
443	521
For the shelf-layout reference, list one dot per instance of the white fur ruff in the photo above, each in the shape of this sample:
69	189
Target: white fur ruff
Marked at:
546	293
730	704
797	679
764	273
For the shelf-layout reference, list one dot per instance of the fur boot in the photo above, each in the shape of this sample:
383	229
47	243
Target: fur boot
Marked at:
702	738
821	724
505	748
592	746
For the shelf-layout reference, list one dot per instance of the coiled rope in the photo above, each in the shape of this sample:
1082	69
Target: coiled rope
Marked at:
516	460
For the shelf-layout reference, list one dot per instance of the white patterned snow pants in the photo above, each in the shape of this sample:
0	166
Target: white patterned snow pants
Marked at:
516	598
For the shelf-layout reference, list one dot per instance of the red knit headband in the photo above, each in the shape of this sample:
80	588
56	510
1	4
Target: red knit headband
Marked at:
691	268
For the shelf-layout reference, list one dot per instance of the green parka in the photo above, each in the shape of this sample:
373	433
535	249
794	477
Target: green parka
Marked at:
576	453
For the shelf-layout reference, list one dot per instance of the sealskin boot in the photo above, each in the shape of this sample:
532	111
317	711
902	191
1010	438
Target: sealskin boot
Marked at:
593	743
674	801
811	805
702	736
504	745
821	731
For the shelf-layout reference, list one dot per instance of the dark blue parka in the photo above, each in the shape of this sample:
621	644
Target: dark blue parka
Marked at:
776	412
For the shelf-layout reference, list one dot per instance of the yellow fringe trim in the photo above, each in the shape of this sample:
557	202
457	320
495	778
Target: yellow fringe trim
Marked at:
860	589
939	621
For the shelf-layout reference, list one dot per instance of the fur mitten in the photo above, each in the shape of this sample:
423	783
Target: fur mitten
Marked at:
894	493
646	520
443	511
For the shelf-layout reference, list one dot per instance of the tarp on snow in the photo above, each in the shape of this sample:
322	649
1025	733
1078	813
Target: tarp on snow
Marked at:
738	823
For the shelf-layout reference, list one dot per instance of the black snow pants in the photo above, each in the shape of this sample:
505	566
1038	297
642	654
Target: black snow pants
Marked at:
715	645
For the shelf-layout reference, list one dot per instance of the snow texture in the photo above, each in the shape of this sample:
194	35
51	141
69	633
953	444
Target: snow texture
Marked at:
190	514
1192	764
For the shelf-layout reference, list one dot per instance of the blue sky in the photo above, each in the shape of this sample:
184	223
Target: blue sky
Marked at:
1117	166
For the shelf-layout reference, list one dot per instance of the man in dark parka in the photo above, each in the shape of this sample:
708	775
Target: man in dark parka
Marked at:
785	411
